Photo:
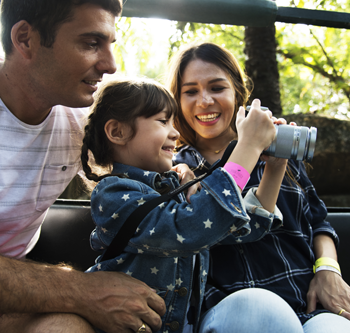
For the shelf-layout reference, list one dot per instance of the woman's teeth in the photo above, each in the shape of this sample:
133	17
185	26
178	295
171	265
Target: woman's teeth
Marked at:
208	117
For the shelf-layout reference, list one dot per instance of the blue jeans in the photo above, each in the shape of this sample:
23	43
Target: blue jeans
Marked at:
327	323
259	310
250	311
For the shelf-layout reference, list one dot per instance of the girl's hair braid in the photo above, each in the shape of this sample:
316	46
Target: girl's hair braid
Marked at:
124	101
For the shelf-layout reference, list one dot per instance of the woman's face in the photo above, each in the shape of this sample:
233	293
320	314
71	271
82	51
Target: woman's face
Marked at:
207	99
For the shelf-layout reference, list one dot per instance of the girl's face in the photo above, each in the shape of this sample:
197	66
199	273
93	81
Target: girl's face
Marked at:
207	99
152	147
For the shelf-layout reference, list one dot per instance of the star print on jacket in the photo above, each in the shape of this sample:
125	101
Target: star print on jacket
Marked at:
161	252
208	223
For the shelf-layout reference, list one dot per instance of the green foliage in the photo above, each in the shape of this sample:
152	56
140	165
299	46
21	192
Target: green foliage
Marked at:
231	37
313	64
313	61
137	51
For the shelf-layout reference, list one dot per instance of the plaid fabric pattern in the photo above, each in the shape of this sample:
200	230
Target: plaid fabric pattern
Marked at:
280	262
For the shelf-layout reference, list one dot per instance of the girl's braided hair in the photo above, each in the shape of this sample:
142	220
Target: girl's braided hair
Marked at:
124	101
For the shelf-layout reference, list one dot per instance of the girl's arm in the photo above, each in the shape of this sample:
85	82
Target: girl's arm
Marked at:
177	228
269	187
255	133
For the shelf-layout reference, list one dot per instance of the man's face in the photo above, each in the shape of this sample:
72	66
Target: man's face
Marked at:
68	73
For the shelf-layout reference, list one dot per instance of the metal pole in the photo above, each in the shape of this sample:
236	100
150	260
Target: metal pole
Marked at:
254	13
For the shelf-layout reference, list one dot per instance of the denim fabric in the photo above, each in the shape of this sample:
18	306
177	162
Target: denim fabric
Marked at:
327	323
162	251
282	261
251	311
260	310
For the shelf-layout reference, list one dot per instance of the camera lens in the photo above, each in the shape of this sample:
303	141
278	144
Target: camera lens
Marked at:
294	142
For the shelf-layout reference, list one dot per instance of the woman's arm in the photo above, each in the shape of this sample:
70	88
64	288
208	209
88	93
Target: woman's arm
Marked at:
328	287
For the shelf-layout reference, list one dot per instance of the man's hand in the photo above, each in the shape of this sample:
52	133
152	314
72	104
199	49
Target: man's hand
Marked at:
112	301
118	303
185	175
329	289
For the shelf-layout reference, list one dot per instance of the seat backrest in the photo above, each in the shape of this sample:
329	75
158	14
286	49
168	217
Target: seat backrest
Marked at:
65	237
66	231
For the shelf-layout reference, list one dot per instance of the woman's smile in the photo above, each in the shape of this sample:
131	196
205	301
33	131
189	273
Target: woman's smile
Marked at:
207	99
208	119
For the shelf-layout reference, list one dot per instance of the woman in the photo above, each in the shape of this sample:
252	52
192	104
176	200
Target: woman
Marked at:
209	86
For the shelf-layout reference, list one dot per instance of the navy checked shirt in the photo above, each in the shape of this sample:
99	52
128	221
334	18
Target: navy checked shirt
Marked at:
282	261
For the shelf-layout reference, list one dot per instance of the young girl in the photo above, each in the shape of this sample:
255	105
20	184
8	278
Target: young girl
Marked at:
209	86
131	129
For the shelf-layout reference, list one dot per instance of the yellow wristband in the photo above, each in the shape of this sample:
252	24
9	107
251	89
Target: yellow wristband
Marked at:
324	261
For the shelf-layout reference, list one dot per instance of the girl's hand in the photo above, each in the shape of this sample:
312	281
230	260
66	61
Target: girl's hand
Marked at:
256	129
271	161
185	175
255	133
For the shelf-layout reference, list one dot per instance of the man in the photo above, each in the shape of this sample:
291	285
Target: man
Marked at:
55	54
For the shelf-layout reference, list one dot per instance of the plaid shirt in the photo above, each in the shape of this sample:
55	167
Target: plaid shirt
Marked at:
280	262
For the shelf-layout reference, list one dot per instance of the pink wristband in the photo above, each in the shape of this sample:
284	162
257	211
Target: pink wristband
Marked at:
239	174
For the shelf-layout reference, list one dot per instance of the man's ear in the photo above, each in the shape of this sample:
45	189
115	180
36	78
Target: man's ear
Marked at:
117	132
24	38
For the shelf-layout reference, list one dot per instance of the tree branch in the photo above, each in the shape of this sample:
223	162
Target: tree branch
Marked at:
338	81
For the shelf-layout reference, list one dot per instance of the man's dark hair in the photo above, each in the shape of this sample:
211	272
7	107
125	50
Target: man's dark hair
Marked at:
45	16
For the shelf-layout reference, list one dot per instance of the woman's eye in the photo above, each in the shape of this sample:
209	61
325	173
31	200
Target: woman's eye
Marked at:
190	92
218	88
164	121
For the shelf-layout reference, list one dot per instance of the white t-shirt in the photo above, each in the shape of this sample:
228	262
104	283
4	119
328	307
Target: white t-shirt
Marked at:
37	162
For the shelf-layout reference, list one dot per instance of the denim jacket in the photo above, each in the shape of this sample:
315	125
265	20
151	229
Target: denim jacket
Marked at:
174	235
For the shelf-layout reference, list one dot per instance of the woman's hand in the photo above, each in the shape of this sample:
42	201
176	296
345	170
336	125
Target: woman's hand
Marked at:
329	289
185	175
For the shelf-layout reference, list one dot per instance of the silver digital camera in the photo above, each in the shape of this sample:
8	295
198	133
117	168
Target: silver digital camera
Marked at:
292	142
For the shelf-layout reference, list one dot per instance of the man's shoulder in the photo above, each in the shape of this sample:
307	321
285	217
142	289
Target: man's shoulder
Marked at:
76	112
75	116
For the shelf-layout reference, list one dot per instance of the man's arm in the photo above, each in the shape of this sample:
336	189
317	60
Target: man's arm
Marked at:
114	302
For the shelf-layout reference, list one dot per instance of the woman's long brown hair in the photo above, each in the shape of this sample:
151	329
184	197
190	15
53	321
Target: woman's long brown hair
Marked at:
214	54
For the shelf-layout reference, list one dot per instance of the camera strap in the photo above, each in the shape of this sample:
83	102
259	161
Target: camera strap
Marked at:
121	239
